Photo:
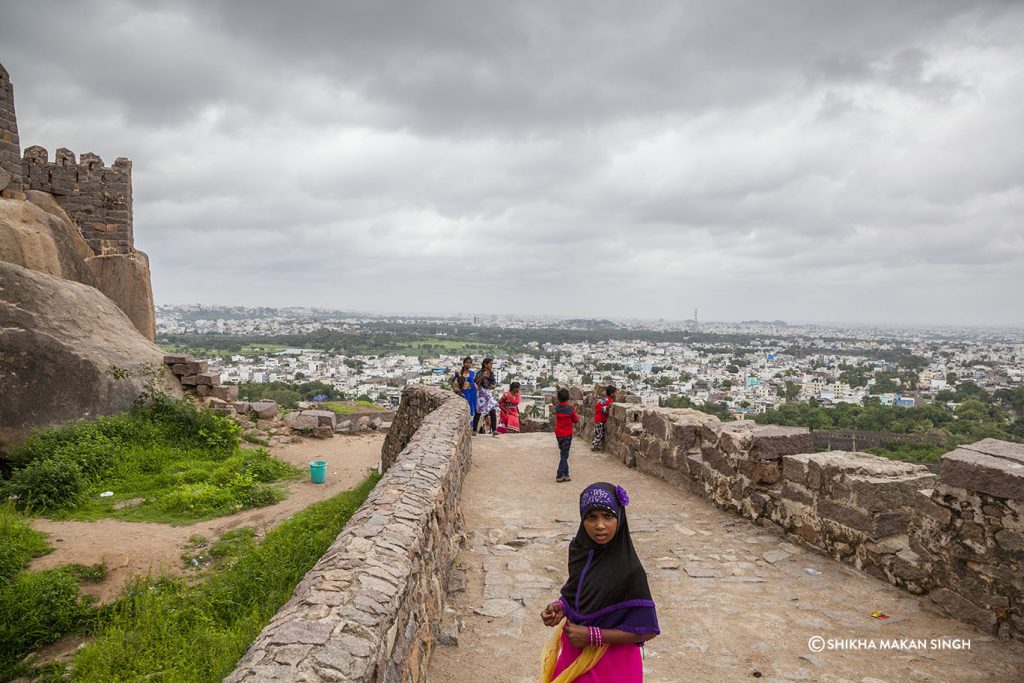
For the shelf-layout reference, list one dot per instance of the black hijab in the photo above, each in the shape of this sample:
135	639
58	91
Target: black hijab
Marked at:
607	584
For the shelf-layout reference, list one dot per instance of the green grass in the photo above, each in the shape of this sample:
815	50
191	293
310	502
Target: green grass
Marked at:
205	352
165	629
346	407
169	462
200	555
435	345
36	608
20	543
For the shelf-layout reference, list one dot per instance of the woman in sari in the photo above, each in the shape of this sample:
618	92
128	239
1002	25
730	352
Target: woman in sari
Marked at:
508	421
605	612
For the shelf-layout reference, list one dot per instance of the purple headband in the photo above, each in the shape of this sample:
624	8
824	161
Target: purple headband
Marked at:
597	496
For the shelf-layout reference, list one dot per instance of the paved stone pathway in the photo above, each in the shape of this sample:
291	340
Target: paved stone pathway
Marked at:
735	602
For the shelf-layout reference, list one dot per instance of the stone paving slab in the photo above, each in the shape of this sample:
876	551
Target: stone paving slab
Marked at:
735	601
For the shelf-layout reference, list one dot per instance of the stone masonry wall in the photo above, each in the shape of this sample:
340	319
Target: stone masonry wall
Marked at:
98	198
957	536
415	404
368	610
10	145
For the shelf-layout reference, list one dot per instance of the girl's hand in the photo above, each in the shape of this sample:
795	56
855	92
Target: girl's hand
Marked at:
579	636
552	614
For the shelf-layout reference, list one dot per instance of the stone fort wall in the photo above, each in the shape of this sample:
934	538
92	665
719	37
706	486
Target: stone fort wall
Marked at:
956	536
98	198
369	608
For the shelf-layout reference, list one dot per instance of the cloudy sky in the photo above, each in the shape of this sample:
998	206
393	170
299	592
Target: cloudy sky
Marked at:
817	160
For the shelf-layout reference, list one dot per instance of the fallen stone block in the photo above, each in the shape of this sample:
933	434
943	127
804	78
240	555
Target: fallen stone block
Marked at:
265	410
325	418
225	392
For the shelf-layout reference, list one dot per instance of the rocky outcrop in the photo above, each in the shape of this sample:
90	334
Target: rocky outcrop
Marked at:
38	235
60	345
125	279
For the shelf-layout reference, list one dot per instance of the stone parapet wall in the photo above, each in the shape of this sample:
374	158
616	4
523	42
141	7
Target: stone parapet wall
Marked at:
967	537
368	610
957	536
417	402
98	198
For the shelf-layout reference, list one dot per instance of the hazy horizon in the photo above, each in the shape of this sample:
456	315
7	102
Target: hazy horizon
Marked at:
798	161
610	318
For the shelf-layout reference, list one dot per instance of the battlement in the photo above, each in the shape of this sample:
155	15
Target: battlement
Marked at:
97	197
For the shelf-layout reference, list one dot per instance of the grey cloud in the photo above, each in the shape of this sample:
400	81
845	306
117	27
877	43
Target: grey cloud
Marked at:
763	160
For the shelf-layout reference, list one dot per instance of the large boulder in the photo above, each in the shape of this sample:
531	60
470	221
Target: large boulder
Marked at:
38	235
125	279
62	344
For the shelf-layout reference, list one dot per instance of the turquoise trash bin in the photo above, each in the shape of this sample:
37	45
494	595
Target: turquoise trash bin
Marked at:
318	471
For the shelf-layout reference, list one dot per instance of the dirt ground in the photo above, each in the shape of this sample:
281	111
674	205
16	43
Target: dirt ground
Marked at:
131	548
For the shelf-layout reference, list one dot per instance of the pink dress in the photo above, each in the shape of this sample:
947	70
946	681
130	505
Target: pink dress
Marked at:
620	664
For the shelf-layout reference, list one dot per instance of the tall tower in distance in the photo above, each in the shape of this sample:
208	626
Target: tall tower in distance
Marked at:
694	314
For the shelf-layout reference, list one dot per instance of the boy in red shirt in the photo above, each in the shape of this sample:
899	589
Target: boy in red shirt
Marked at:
565	418
601	410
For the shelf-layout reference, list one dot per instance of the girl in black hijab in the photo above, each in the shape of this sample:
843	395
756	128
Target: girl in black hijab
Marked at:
606	609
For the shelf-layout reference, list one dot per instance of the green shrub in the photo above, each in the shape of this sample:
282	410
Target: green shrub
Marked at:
20	543
184	462
37	608
44	443
93	452
48	485
262	466
250	494
197	500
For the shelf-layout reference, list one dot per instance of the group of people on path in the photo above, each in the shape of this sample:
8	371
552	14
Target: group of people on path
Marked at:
605	612
477	387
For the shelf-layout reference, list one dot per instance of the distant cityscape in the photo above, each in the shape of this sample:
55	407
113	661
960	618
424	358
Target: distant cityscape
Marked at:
746	367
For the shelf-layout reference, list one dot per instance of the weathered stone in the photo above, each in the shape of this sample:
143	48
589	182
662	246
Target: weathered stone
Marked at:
43	239
125	278
302	631
1001	476
302	422
796	492
325	418
225	392
961	608
1010	540
924	504
265	410
771	442
851	517
61	343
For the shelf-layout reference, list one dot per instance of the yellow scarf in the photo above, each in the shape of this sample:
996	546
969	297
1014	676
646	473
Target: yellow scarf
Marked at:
588	658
